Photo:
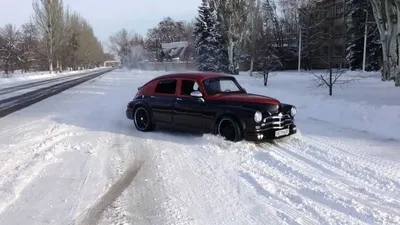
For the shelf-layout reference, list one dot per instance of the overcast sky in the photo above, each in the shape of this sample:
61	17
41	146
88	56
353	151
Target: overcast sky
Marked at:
106	16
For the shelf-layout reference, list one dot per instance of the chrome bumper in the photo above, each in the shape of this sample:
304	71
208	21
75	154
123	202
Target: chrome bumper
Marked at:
275	122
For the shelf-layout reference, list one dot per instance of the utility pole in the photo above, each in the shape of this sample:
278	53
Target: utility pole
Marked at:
343	34
365	40
299	24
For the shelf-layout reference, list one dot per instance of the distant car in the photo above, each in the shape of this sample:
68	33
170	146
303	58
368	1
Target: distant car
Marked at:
210	103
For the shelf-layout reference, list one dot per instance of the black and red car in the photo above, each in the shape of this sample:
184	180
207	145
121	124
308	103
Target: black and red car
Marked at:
210	103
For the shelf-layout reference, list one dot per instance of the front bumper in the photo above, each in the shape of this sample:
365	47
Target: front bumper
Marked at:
273	126
269	134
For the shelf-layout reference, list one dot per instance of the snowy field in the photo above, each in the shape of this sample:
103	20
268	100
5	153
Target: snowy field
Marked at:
18	78
76	158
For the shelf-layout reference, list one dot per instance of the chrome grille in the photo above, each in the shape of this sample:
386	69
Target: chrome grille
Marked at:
277	121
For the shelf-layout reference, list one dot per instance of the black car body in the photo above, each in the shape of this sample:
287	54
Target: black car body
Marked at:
210	103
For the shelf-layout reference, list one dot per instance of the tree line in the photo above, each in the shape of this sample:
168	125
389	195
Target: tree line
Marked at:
54	39
275	34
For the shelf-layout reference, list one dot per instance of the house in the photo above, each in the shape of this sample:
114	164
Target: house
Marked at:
327	17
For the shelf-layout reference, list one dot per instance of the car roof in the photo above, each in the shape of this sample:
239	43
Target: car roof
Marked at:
192	75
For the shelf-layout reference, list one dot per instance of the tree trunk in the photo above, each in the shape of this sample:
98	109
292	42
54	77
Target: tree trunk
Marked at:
50	65
266	73
251	65
230	55
385	63
397	43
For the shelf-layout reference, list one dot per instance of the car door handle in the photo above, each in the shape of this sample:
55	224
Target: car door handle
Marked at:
178	99
152	96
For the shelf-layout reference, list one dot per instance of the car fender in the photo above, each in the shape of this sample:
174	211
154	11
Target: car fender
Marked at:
220	114
141	103
286	107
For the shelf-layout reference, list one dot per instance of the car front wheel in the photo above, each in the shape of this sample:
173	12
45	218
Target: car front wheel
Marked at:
230	129
142	119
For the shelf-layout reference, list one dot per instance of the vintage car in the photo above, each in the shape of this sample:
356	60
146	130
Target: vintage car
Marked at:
210	103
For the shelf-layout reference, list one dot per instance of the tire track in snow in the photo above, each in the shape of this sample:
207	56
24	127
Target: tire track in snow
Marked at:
207	172
351	168
125	163
52	134
93	214
15	176
277	179
348	187
265	184
378	164
102	142
117	211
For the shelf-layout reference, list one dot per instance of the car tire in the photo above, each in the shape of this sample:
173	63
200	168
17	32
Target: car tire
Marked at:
142	119
229	129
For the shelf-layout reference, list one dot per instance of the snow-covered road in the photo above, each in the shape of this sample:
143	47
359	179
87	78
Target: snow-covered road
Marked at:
75	159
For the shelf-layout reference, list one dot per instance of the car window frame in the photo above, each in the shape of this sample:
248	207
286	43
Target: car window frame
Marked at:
242	90
180	87
157	82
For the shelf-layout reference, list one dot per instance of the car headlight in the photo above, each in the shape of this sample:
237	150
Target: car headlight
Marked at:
258	116
293	111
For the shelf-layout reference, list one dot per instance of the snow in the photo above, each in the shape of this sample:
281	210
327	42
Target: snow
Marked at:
18	78
76	158
366	104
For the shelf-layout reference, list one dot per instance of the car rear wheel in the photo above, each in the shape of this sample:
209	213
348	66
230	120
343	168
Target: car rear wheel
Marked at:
142	119
230	129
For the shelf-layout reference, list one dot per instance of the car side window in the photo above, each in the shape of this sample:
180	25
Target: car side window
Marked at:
228	85
188	86
166	87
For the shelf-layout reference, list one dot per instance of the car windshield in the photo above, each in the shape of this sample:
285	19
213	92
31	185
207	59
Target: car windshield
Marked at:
215	86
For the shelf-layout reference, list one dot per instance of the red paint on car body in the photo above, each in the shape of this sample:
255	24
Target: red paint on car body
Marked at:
251	98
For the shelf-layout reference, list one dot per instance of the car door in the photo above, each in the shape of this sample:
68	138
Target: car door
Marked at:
189	111
163	100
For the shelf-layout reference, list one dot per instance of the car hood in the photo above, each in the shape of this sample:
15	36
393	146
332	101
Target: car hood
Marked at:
250	98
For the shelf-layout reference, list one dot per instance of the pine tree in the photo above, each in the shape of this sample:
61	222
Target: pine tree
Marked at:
206	43
222	45
356	31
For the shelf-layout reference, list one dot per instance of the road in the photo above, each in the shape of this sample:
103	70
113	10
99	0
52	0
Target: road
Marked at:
75	159
37	91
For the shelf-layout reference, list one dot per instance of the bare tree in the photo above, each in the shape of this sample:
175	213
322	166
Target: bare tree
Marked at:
128	47
268	59
334	76
29	46
10	40
311	21
255	24
48	16
189	37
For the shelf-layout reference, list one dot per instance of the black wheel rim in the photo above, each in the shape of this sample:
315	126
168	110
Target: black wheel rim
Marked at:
141	119
227	130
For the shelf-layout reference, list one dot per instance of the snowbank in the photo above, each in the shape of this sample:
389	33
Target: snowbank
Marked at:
367	104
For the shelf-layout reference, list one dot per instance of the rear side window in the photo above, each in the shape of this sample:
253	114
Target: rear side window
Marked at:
188	86
166	87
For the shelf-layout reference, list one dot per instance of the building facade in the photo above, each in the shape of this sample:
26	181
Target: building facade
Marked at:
324	32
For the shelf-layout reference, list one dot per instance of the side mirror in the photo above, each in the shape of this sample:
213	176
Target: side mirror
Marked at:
196	94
